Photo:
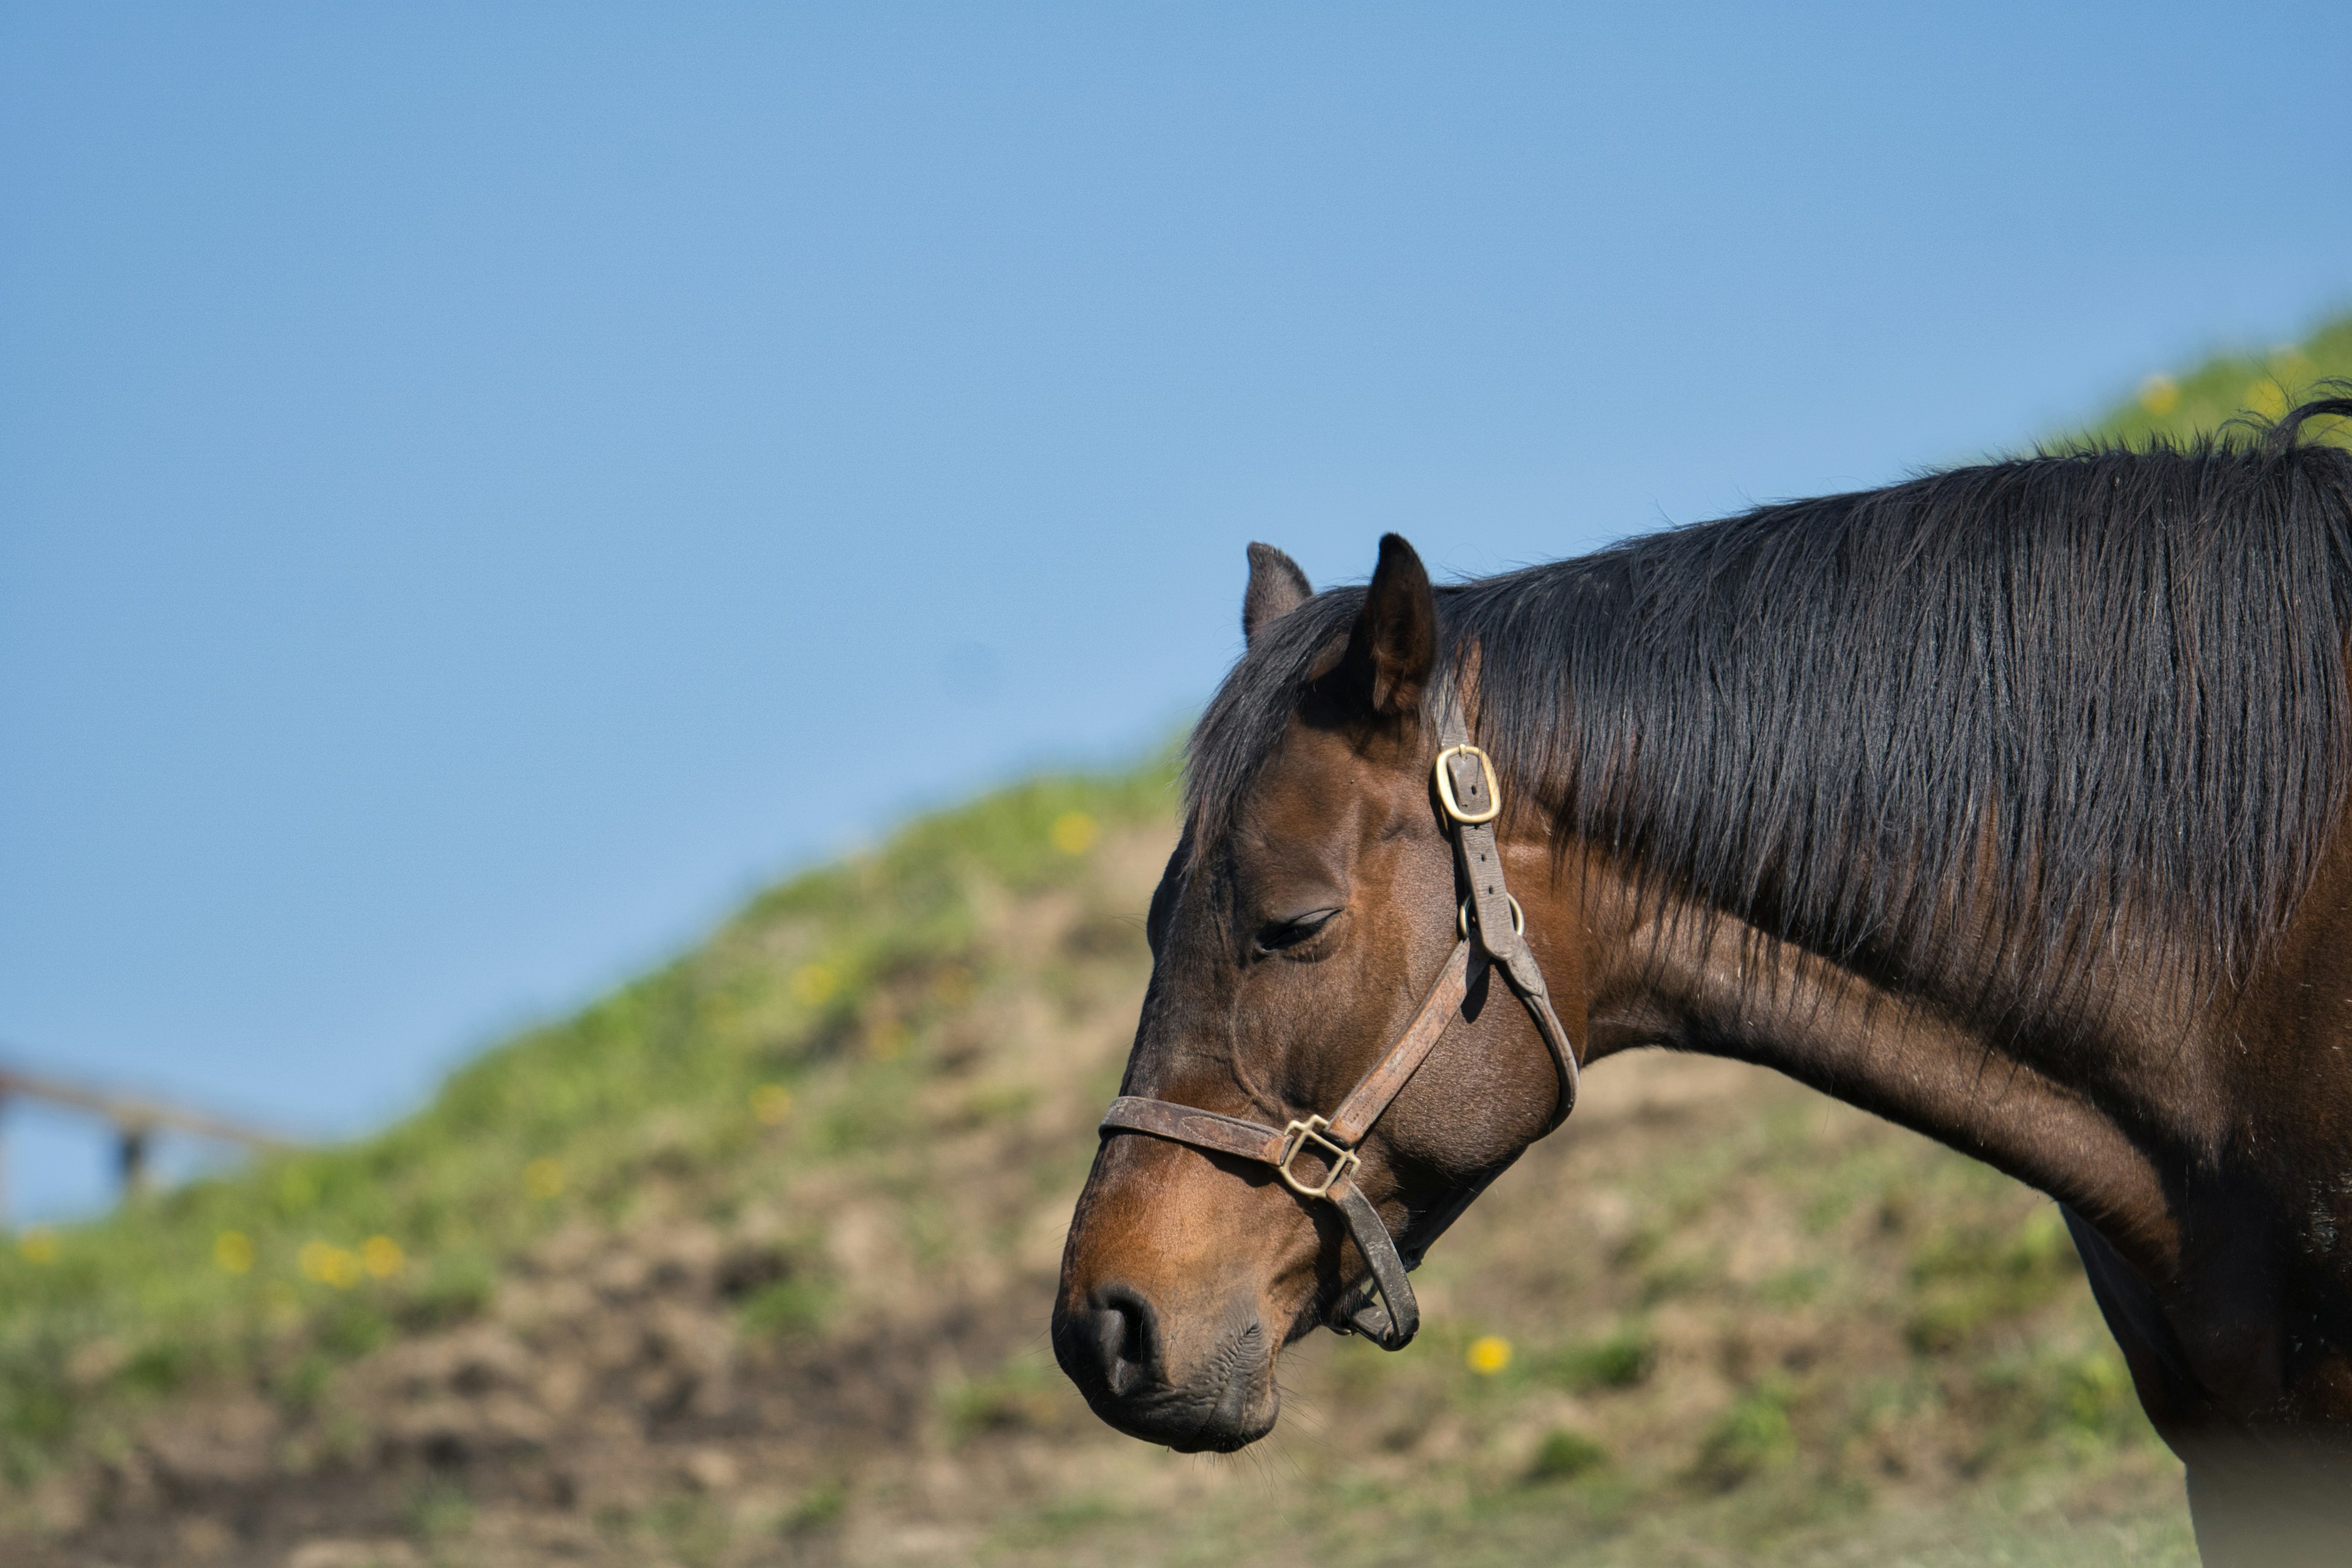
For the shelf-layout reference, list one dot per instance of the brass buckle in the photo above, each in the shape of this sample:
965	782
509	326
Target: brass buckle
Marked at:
1446	788
1296	1136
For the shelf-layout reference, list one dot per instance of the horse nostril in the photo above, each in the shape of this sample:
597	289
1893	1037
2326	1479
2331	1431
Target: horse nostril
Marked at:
1127	1335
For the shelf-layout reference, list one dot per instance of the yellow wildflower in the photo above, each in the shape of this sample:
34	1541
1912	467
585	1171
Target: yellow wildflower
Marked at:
1488	1355
233	1250
1074	833
771	1102
329	1263
382	1257
543	1178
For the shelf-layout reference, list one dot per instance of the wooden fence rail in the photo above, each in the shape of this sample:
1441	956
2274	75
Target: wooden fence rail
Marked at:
136	1120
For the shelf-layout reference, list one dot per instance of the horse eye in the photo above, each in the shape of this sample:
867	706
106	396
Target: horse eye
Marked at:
1291	932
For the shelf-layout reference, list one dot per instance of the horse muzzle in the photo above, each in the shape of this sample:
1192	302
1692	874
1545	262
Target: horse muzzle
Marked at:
1209	1390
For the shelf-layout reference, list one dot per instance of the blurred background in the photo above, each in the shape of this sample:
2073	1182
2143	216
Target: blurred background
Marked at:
486	490
471	475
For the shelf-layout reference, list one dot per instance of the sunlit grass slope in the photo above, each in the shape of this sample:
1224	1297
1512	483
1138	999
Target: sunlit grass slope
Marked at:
284	1270
2248	387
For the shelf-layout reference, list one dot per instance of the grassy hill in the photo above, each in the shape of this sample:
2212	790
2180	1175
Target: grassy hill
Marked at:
749	1263
2236	391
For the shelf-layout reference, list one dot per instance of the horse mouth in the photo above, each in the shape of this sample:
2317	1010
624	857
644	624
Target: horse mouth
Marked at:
1246	1402
1227	1402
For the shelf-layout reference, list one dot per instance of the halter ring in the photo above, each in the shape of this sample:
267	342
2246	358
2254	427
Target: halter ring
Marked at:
1518	918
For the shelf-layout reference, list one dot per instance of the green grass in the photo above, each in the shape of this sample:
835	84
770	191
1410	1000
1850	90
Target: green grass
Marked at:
1624	1359
2236	392
1564	1454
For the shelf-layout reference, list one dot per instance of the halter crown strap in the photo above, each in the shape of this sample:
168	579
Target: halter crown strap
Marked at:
1491	926
1498	925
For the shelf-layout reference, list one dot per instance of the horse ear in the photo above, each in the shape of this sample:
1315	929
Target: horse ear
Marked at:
1276	587
1394	643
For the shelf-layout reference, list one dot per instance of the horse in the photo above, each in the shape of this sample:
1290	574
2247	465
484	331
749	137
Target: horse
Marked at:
2007	803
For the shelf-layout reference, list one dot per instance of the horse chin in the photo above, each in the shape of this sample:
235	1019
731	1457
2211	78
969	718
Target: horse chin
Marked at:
1223	1421
1246	1410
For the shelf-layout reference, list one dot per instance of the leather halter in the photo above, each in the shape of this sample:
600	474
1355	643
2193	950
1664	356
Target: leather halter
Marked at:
1491	927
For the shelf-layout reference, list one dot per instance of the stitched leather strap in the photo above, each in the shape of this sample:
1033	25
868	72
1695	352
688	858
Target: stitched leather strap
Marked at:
1388	1078
1202	1128
1392	1320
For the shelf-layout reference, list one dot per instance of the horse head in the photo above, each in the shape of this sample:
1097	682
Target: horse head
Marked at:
1324	991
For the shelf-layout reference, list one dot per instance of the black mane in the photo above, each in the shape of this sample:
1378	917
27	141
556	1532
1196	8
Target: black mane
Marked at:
2111	678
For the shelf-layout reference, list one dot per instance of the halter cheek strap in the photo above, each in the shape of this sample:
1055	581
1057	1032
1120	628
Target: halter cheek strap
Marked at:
1491	930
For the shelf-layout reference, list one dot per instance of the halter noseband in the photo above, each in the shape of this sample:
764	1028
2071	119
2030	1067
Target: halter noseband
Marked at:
1491	927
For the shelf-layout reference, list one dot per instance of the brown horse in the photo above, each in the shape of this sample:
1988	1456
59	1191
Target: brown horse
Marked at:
2007	803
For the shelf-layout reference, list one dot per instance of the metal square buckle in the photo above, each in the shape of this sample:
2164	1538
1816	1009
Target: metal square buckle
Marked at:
1296	1136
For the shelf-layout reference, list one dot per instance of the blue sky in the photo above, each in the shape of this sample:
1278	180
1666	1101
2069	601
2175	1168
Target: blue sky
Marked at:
484	486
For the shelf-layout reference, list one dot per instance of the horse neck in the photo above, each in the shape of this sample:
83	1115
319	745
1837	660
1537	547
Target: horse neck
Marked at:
2093	1128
